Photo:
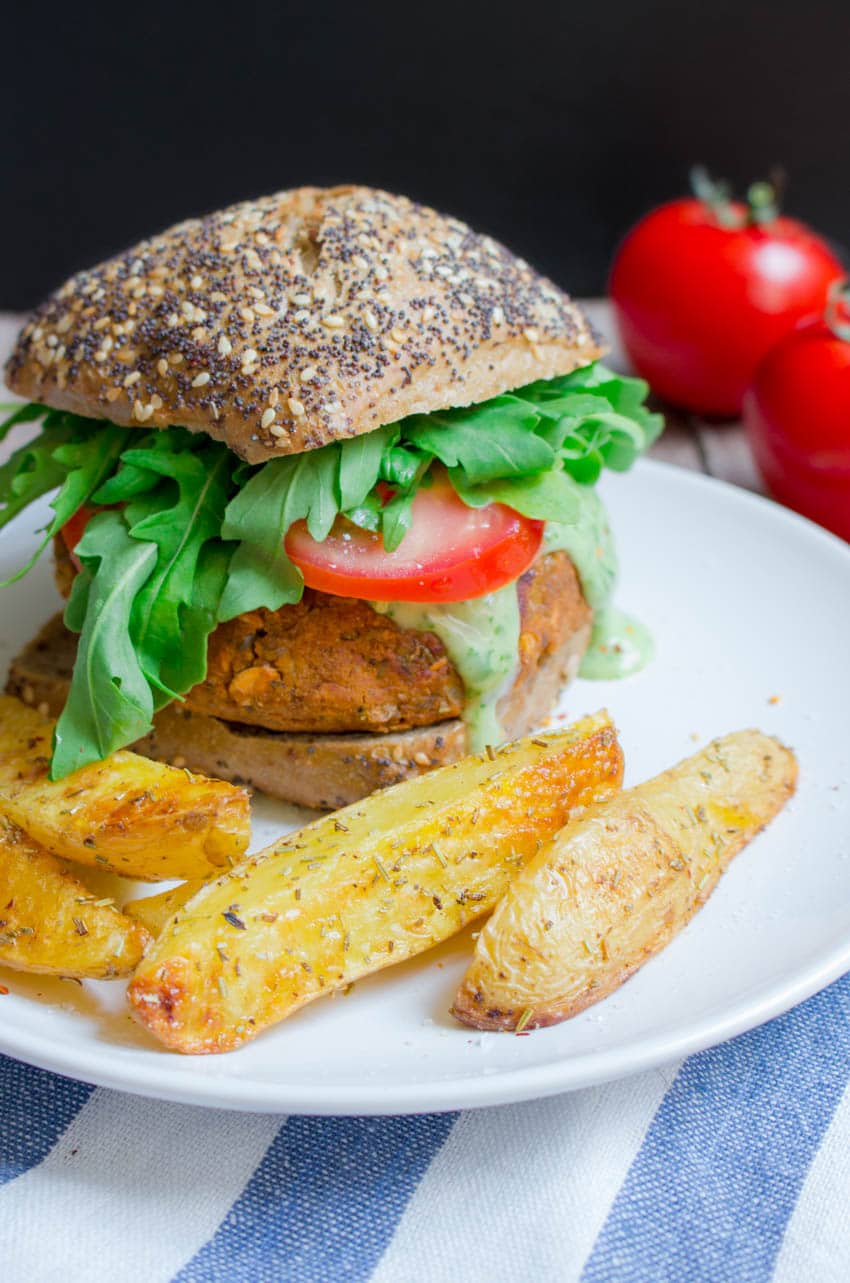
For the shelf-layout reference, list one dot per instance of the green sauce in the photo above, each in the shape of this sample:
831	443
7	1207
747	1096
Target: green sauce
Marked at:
619	646
590	545
481	637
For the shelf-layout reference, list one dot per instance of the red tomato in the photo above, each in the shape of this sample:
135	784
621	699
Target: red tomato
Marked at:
701	292
451	552
797	416
72	531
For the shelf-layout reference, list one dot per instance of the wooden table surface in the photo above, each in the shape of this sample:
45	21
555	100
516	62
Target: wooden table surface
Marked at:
718	450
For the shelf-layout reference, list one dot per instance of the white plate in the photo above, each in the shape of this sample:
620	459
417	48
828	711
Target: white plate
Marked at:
750	607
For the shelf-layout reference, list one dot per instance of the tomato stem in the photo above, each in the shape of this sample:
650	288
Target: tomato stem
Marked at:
837	313
716	194
762	204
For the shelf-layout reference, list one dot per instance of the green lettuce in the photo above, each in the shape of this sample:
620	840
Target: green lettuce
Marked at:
192	536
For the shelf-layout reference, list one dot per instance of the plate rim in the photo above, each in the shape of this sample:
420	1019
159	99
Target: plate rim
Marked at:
161	1081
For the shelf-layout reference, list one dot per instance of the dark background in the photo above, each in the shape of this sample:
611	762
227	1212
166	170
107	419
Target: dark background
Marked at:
553	126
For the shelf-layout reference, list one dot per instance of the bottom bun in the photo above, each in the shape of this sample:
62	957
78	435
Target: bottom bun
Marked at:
323	771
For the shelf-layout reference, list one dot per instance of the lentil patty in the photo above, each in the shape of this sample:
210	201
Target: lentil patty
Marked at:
333	664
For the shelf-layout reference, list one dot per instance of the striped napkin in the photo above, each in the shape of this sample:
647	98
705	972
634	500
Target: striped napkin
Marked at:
732	1166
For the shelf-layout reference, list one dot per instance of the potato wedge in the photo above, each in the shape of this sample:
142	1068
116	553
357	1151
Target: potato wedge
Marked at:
371	885
617	884
52	925
136	817
155	911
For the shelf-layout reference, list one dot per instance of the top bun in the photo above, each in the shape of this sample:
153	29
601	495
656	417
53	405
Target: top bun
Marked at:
287	322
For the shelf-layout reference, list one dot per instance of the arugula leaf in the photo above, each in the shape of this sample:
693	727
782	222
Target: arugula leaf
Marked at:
396	519
548	496
88	461
32	471
131	479
64	455
494	439
279	494
360	464
403	466
109	704
171	661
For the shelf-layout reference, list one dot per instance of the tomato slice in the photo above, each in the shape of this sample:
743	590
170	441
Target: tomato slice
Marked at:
451	553
72	531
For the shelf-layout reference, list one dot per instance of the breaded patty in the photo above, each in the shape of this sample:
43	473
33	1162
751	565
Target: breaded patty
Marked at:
333	664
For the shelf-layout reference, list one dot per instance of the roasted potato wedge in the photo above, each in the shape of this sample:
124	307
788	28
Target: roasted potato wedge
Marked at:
368	886
52	925
616	885
155	911
136	817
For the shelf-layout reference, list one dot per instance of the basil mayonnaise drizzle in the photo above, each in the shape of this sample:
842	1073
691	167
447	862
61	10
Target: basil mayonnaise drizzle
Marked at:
481	636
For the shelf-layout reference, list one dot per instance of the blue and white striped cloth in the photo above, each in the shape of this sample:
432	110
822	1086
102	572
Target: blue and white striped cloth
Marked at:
734	1165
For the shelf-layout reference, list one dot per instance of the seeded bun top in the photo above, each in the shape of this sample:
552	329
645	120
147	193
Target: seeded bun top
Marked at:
284	323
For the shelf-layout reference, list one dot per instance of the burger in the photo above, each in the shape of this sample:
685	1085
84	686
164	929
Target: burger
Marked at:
324	509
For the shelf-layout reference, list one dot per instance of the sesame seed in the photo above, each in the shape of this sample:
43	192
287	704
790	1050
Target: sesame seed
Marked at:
497	316
371	321
274	396
197	282
249	356
246	313
113	394
531	334
308	373
200	380
225	347
263	309
301	317
142	412
302	299
256	292
297	407
132	378
278	430
334	322
156	401
162	366
268	418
